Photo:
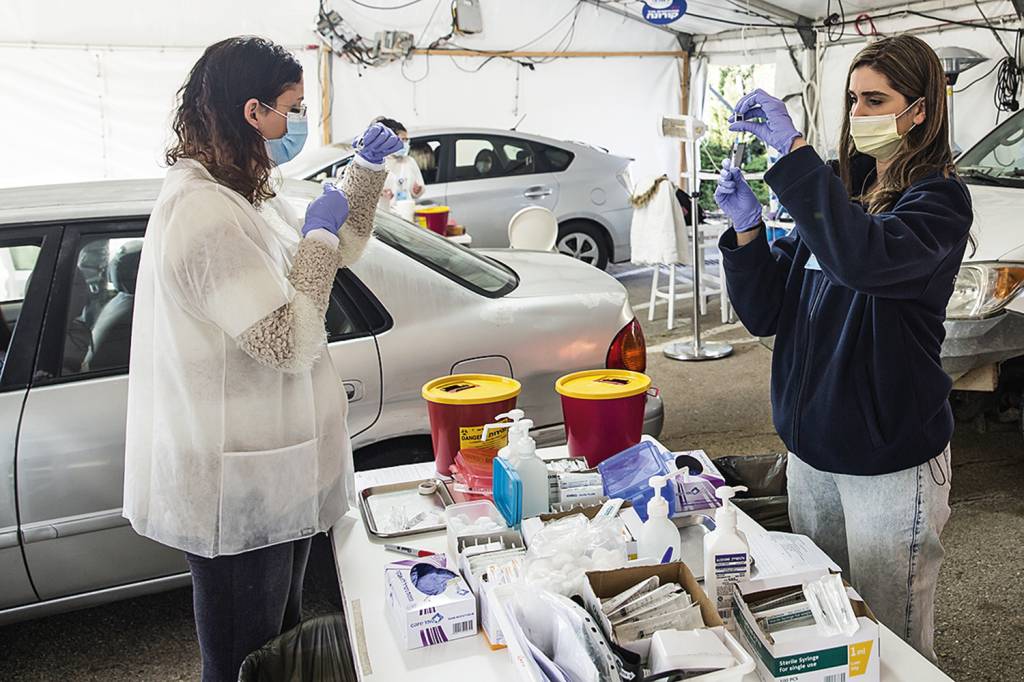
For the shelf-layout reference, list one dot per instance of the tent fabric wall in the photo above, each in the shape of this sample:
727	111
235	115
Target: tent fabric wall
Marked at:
974	112
91	96
92	114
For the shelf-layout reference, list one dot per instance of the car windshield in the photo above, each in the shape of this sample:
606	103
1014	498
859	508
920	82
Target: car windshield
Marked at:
472	270
999	158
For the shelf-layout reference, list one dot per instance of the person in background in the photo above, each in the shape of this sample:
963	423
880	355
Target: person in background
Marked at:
405	179
856	299
237	448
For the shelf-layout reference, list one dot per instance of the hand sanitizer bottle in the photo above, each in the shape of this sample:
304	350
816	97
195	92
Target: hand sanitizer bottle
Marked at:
659	537
531	469
516	416
726	554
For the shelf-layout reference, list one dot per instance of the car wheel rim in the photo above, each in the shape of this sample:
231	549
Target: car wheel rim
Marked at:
580	246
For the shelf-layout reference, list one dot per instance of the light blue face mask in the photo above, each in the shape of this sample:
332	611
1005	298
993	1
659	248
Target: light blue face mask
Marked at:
288	146
404	151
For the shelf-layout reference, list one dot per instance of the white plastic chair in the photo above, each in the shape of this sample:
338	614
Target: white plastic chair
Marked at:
534	228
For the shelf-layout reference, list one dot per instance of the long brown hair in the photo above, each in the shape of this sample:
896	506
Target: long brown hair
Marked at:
914	71
209	123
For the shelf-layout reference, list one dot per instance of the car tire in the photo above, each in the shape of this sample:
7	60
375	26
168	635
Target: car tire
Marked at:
584	241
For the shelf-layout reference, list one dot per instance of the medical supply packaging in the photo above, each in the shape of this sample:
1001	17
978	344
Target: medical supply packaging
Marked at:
604	584
804	654
427	603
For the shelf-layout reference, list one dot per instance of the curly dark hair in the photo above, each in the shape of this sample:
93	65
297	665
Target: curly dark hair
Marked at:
209	121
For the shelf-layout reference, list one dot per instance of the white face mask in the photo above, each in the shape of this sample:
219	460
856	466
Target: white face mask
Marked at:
878	136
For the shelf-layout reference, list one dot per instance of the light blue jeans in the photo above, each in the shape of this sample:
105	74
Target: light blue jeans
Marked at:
884	533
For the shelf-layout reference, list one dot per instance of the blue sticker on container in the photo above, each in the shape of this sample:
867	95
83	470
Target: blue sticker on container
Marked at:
662	12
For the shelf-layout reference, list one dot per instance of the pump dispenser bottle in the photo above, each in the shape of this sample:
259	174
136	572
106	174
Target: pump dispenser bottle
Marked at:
726	554
516	416
531	469
659	537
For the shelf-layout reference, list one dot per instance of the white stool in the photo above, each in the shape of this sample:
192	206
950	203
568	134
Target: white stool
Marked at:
533	228
711	285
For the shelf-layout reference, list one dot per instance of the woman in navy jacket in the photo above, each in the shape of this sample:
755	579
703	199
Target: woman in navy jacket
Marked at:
856	298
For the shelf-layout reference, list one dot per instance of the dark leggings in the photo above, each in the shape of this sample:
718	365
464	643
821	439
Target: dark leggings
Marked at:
243	601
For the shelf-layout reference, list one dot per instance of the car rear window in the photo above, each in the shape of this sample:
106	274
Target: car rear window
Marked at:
474	271
557	159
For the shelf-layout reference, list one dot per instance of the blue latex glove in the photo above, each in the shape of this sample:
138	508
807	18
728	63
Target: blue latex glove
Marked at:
377	142
735	197
773	126
327	212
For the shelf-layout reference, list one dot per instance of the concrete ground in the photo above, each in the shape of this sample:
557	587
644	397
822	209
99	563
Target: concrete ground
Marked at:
721	407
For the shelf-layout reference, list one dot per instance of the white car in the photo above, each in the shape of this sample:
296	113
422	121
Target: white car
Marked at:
485	176
985	317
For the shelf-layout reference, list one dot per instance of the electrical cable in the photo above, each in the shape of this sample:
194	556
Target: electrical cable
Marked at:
999	38
833	19
864	16
1008	70
978	79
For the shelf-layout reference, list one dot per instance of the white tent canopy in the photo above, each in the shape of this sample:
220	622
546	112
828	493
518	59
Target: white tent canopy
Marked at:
88	88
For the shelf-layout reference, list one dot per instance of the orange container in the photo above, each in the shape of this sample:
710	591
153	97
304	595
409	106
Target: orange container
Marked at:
433	218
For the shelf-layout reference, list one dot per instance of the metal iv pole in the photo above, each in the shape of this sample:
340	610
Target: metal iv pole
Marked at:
690	130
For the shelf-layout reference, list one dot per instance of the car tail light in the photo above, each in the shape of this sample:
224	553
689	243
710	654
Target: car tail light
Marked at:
625	179
629	349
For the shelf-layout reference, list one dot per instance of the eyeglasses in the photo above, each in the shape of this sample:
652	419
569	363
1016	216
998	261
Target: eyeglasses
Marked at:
299	109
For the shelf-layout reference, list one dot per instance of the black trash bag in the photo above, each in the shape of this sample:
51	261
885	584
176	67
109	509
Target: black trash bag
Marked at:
312	651
765	475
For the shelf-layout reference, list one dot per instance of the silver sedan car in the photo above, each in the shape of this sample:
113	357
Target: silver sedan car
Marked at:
414	308
485	176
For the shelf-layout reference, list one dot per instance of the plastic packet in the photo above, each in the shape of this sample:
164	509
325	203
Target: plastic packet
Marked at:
831	606
563	551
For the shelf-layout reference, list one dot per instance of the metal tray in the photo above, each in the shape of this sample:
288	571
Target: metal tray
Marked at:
376	502
692	529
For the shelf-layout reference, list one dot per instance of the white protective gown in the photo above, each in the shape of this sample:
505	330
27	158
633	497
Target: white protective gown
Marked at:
658	234
224	455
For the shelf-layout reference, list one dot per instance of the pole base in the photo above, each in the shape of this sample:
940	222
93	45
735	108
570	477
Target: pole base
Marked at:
685	352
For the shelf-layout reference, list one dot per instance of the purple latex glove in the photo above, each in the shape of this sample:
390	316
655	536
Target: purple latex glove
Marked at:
735	197
327	212
377	142
774	127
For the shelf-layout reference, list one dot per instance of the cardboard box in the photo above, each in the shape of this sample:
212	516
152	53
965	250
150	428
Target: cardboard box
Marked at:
802	654
480	586
605	584
427	603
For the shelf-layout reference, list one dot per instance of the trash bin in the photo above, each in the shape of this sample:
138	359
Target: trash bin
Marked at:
315	650
765	475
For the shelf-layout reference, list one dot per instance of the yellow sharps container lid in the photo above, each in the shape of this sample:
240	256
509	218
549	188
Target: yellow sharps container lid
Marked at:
603	384
433	209
471	389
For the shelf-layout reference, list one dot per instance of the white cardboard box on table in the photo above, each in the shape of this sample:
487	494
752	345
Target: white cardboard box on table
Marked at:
802	654
427	603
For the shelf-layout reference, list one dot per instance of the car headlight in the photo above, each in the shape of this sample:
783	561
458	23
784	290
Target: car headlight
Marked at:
983	289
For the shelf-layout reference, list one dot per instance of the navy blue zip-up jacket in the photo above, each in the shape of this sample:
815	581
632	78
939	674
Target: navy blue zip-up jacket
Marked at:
857	385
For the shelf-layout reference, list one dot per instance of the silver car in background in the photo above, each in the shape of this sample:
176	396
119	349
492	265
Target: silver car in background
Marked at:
416	307
485	176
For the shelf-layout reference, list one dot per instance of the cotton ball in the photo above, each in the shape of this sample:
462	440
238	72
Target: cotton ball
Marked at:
606	559
562	559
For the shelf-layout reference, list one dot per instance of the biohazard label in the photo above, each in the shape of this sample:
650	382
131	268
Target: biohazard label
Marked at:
469	438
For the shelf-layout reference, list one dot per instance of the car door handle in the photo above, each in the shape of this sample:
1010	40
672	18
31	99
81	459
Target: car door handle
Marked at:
354	390
537	192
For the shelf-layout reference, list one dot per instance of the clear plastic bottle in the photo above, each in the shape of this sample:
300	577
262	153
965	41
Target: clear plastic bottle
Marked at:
659	537
531	469
726	554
